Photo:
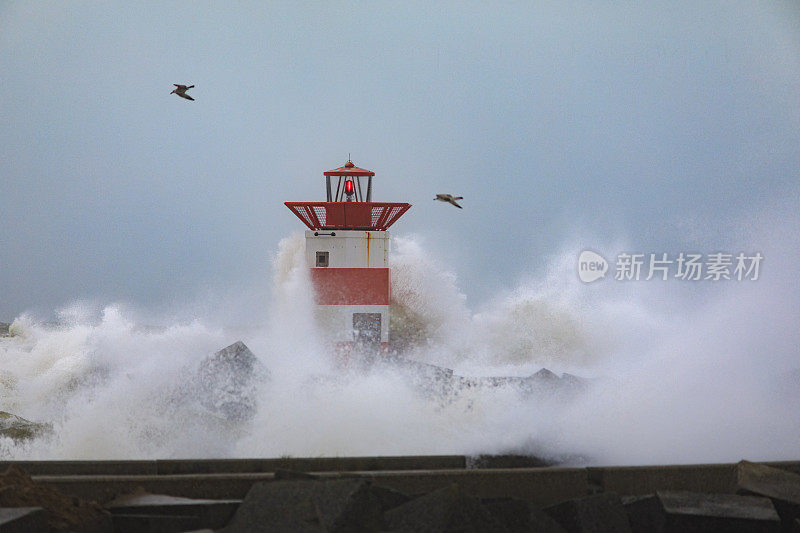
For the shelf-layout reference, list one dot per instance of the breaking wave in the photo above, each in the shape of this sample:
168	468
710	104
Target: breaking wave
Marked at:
670	372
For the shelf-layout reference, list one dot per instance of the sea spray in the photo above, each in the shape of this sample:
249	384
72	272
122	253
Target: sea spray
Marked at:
675	373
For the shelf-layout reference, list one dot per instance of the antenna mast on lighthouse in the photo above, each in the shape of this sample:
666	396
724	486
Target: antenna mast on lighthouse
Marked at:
347	249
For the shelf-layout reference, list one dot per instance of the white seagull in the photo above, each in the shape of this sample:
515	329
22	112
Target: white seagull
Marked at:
180	90
449	198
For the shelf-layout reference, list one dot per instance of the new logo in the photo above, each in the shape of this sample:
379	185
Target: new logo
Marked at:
591	266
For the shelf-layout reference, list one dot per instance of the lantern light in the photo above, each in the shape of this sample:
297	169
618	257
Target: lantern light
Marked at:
348	187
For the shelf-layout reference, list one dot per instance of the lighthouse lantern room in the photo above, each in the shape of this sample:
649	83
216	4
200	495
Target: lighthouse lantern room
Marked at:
347	247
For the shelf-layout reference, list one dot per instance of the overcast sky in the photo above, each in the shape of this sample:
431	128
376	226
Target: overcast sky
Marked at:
561	123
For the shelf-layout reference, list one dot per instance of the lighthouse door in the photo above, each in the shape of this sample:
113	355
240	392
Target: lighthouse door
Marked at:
367	330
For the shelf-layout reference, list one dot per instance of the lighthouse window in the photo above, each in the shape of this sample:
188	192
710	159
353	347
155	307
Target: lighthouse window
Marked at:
322	259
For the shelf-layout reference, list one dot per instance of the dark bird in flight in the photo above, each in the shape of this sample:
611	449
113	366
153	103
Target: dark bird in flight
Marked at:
180	90
450	199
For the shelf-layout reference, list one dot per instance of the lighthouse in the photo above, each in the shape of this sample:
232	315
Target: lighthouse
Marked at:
347	251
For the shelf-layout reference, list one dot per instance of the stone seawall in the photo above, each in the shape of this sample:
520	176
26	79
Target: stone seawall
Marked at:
434	493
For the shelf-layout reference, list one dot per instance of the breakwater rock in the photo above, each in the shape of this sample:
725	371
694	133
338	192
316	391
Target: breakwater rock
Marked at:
226	382
17	428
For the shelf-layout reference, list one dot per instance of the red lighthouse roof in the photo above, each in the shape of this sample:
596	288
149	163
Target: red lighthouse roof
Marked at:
348	209
349	169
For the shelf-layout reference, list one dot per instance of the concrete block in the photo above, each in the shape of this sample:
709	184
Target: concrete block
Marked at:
678	512
23	520
104	489
212	514
519	516
233	466
308	506
281	474
311	464
507	461
83	468
789	466
592	514
541	522
389	498
140	523
446	509
512	514
780	486
538	486
633	480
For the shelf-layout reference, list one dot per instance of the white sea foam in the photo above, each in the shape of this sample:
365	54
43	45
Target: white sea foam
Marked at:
678	373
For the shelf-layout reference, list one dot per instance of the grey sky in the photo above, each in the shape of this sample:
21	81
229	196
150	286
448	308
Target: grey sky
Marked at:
560	123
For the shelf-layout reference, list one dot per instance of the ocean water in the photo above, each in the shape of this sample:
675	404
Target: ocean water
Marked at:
677	372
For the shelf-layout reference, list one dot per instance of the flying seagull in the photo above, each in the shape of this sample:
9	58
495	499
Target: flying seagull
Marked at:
449	198
180	90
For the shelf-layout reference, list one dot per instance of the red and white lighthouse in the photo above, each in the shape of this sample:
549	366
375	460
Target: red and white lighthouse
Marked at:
347	250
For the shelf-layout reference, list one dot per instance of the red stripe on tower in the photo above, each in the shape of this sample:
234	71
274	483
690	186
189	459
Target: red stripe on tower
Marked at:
351	286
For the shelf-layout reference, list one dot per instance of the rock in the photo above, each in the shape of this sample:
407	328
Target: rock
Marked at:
678	512
780	486
544	375
439	382
226	382
430	379
422	370
592	514
5	328
63	513
575	382
446	509
546	381
17	428
309	505
543	381
23	520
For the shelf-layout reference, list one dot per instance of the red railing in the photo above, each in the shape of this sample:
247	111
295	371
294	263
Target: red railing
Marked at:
376	216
